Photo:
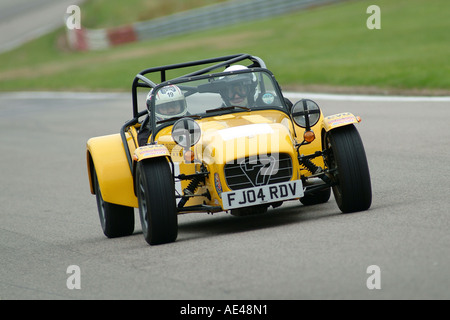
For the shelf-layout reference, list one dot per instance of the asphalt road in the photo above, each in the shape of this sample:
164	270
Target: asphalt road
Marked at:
24	20
49	218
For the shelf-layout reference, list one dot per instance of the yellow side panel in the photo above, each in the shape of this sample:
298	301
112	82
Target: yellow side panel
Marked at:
113	172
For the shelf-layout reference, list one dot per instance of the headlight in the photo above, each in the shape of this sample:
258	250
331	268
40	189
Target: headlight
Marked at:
305	113
186	132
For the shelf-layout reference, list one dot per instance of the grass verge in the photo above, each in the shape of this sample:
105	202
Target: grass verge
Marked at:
326	48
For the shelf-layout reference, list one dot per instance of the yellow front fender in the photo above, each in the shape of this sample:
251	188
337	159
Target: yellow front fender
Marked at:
150	151
106	155
339	120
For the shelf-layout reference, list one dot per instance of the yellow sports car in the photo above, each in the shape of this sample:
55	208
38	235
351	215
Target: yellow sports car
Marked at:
221	137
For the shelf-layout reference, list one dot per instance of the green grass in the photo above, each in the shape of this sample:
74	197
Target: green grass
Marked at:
111	13
327	46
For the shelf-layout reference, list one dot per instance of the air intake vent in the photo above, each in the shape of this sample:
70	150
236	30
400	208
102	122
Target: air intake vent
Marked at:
258	170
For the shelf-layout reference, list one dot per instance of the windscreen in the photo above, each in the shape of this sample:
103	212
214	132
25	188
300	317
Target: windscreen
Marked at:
214	95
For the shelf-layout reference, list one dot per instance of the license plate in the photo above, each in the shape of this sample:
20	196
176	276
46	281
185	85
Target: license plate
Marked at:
261	195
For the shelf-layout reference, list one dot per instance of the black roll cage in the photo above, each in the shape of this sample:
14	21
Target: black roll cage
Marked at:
140	81
220	62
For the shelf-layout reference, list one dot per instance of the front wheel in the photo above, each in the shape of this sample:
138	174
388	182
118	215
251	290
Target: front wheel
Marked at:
155	191
346	158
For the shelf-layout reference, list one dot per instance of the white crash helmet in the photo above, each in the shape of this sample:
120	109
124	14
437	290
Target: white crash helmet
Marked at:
170	102
246	81
236	67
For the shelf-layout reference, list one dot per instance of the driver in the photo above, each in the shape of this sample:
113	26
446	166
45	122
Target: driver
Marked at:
170	102
239	89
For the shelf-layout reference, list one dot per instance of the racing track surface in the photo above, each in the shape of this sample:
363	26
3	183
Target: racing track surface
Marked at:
49	219
24	20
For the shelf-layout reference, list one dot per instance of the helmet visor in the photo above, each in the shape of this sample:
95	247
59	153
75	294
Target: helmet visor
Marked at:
239	90
170	108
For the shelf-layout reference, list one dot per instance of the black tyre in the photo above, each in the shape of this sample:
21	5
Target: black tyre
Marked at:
155	191
116	220
316	197
345	152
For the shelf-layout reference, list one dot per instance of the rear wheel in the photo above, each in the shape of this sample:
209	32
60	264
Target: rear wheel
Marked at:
116	220
344	152
156	196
